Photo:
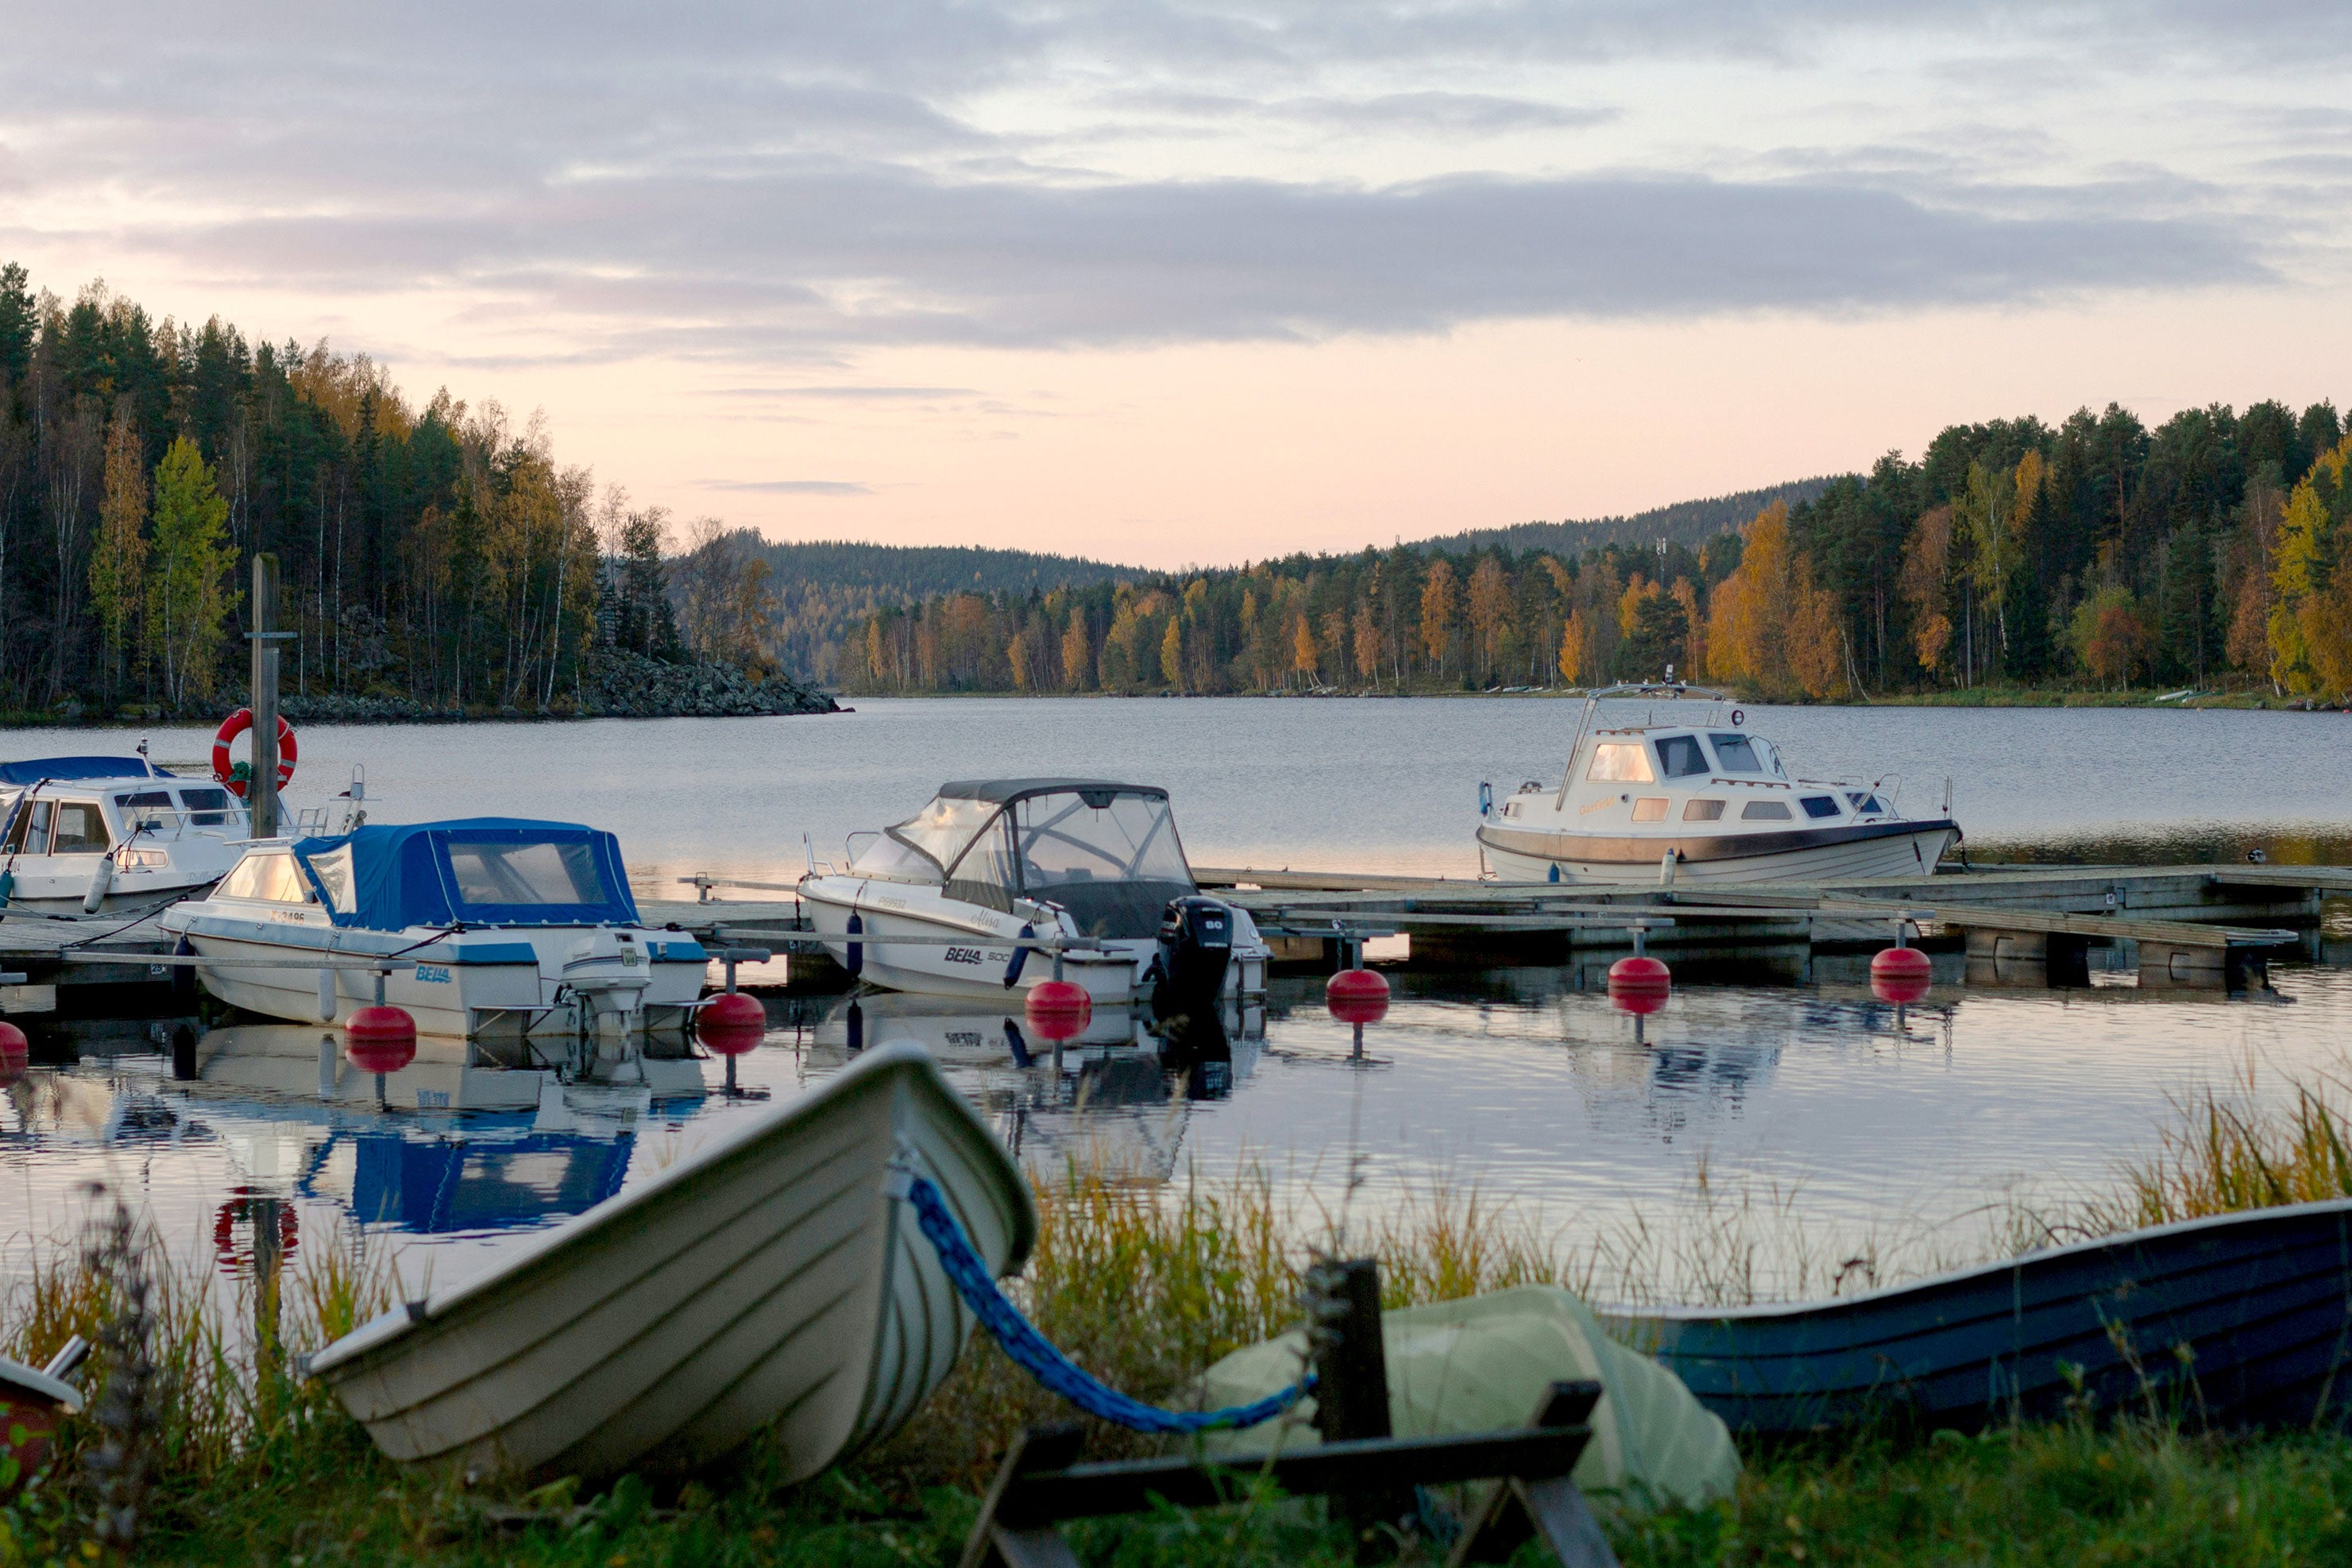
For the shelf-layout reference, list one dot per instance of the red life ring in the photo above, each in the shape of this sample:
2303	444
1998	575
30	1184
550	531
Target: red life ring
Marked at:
236	724
224	1247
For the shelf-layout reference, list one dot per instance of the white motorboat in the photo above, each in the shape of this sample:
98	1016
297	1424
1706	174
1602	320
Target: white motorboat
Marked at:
486	926
939	902
1708	802
95	834
769	1278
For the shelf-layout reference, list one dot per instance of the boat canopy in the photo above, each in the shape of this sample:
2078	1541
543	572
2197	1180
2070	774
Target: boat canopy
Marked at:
1106	851
32	773
483	870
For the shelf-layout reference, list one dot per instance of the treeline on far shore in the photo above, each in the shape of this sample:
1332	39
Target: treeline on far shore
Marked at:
2095	555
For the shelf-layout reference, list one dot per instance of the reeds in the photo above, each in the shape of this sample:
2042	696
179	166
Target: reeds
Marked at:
2227	1154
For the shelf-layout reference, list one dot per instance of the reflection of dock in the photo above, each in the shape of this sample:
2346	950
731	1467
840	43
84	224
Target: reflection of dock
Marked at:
2188	925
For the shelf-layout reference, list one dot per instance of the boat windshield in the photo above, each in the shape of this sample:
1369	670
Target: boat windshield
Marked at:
1064	840
945	829
1109	856
1734	755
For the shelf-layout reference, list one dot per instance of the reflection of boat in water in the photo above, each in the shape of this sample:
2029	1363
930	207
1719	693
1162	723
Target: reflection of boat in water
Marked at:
1117	1097
473	1147
493	925
989	862
769	1277
1703	802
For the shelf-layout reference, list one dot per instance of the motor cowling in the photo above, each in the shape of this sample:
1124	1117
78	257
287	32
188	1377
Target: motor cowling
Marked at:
1196	942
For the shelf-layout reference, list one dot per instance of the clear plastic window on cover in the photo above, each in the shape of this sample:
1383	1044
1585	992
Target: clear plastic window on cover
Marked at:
541	873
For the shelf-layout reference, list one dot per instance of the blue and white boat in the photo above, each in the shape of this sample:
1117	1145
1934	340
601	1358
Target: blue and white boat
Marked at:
91	835
493	926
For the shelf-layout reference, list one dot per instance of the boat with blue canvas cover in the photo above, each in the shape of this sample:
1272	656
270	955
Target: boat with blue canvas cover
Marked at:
103	835
2240	1320
496	926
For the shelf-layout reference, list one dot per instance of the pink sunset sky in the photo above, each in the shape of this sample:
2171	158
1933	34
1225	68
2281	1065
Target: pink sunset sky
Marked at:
1175	283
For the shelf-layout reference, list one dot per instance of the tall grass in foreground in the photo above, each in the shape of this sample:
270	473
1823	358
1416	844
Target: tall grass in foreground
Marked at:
2227	1154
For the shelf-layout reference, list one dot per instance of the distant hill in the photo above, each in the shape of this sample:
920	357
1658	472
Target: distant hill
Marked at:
1691	523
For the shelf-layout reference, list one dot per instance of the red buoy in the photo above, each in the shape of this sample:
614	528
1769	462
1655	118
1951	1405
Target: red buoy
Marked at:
1357	997
380	1039
1639	985
731	1024
1900	974
15	1052
1058	1009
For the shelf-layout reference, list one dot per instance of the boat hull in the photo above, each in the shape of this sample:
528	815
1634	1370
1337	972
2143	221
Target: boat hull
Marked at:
769	1280
938	965
1890	849
2244	1320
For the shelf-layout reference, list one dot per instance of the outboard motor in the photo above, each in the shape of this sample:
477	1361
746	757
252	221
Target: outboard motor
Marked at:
1196	941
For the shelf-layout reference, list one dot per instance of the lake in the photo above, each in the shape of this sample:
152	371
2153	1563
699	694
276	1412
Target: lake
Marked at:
1808	1118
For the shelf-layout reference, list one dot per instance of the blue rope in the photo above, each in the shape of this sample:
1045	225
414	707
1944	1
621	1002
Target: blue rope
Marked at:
1036	1356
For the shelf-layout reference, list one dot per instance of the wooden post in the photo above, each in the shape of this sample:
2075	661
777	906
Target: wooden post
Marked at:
1351	1388
262	792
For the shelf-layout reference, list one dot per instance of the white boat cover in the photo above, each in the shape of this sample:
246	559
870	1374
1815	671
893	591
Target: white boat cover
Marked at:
1481	1364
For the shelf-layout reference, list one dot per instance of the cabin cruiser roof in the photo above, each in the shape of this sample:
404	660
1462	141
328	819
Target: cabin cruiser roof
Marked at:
1002	791
481	870
54	768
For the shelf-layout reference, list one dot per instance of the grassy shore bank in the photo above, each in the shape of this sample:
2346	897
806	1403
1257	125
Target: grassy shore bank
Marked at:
223	1456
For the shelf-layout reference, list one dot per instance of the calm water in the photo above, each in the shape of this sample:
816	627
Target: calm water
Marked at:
1825	1117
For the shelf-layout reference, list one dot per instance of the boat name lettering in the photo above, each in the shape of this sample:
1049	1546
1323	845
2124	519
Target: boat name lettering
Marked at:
967	1039
432	974
1588	807
963	955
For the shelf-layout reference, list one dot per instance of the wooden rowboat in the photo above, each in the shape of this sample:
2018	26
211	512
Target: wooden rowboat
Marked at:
2241	1320
766	1279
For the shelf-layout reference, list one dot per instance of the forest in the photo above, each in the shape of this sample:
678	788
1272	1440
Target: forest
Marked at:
2096	555
434	558
437	558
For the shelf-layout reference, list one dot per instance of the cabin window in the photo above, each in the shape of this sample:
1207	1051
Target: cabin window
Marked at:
80	829
148	808
1864	805
334	873
208	808
1820	805
1622	761
1682	756
1736	754
32	834
1765	811
1650	808
543	873
271	878
1703	811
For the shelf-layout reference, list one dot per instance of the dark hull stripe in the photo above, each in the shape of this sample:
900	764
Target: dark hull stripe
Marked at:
1591	849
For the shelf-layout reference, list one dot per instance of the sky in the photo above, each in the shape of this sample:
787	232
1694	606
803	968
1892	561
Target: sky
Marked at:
1179	283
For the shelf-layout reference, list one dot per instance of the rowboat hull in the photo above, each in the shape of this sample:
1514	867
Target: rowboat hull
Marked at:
2242	1320
767	1279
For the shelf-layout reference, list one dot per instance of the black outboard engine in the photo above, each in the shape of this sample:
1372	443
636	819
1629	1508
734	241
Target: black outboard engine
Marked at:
1196	941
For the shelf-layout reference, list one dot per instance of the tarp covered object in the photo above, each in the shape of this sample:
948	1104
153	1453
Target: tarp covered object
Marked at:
481	870
1483	1363
82	768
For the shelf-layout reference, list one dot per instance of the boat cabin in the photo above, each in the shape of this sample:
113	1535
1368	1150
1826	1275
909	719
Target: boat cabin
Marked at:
477	871
1647	774
1105	851
60	817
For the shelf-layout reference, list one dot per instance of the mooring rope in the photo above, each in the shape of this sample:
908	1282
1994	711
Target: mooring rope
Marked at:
1036	1356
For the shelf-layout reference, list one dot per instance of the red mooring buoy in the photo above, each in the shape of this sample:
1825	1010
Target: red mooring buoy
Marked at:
380	1039
15	1051
731	1024
1900	974
1639	985
1058	1009
1357	997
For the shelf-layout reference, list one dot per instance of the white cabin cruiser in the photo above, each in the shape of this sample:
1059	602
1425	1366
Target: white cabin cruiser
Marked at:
989	862
92	835
1710	802
498	927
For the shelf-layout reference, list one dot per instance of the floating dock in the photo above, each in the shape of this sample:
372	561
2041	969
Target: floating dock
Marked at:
2195	926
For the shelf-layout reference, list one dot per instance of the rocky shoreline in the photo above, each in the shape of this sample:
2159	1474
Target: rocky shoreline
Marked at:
621	686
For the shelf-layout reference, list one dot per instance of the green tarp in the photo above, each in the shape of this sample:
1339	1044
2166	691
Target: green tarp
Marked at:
1483	1363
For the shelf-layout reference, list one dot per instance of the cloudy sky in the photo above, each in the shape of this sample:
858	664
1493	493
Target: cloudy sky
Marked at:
1177	283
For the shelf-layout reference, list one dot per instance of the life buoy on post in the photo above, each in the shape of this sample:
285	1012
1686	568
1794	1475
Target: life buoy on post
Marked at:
236	724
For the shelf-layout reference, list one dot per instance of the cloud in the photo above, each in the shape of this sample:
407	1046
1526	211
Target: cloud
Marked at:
786	486
844	394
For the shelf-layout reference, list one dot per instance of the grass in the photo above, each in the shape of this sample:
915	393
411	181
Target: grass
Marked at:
244	1462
